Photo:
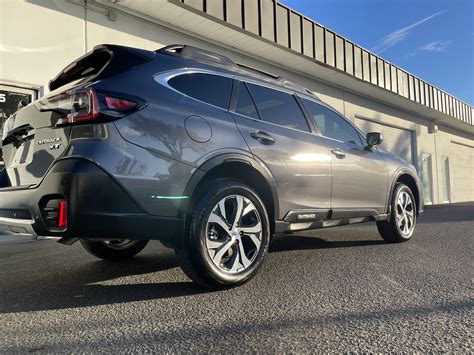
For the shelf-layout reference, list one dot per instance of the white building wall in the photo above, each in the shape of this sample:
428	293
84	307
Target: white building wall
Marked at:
36	41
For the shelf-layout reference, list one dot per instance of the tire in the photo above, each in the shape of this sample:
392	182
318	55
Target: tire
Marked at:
114	250
215	255
400	226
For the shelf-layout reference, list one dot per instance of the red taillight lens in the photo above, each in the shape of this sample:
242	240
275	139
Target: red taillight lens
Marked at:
114	103
82	105
76	106
62	215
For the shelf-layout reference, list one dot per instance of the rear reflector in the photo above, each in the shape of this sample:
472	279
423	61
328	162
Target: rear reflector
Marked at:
62	215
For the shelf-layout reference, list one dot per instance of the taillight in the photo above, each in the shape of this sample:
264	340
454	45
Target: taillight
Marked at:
83	105
74	106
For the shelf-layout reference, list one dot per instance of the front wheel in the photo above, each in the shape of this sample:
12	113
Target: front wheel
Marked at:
227	236
114	250
401	225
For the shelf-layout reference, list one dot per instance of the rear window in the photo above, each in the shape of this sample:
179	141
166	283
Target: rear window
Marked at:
212	89
278	107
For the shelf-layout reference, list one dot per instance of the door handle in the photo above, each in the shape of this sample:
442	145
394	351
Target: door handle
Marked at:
338	153
263	137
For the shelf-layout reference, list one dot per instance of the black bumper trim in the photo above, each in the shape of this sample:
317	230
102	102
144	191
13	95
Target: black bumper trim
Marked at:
98	207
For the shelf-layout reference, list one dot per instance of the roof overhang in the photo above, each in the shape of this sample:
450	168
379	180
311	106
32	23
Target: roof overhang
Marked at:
177	16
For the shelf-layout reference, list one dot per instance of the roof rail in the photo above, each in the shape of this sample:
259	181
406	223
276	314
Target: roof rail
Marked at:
194	53
258	71
281	79
202	55
291	84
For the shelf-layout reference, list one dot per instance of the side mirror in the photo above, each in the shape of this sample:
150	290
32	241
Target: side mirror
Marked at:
373	139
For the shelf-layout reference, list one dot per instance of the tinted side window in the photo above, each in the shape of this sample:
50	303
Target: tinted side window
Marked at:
245	105
331	125
278	107
213	89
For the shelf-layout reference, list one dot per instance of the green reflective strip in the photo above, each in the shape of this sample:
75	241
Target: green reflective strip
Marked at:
169	197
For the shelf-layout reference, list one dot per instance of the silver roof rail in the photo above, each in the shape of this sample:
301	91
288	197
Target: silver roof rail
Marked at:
198	54
202	55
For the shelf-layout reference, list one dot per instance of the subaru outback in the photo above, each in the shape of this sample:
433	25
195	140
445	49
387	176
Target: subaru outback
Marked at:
188	147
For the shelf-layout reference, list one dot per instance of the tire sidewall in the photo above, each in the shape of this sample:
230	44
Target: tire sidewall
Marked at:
198	231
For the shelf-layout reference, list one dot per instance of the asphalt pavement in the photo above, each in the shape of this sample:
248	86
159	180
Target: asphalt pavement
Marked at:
334	290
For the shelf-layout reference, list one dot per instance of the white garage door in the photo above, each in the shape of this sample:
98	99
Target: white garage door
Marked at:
462	172
395	140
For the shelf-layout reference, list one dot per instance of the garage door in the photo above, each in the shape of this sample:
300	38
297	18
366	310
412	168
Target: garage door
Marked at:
462	172
395	140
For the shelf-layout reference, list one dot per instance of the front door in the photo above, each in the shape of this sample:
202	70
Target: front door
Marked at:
359	176
276	131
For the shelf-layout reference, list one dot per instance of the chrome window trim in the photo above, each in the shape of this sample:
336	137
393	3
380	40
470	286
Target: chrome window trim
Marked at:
163	78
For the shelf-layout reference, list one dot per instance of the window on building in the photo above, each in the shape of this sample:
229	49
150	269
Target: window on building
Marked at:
278	107
245	105
331	125
212	89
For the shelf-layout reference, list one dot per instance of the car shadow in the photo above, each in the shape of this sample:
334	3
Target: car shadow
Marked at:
298	242
54	286
92	284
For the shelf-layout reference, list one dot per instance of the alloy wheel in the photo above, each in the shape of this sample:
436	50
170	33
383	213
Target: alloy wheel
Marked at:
405	214
234	234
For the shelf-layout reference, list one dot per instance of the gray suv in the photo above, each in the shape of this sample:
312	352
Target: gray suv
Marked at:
208	156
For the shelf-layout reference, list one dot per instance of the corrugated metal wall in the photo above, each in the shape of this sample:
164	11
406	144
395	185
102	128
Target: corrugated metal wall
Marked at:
278	23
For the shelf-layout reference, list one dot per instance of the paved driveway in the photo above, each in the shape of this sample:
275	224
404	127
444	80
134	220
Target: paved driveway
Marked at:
329	290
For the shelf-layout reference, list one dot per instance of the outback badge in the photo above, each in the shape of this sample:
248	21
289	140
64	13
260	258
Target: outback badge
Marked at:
54	143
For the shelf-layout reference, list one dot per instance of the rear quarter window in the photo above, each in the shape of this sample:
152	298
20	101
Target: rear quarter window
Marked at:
209	88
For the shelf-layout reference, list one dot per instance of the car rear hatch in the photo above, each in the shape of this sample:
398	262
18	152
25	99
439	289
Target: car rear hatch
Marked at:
35	136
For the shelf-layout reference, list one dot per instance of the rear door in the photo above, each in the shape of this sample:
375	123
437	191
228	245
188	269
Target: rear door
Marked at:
359	176
274	127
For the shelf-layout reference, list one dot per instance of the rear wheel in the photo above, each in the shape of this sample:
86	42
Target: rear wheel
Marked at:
227	236
401	225
116	249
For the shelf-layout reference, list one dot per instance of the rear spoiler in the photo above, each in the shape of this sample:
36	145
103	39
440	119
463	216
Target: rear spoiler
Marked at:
103	61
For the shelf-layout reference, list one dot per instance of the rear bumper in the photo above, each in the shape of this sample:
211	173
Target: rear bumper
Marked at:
98	207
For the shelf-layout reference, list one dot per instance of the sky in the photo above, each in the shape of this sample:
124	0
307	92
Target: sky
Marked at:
432	39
